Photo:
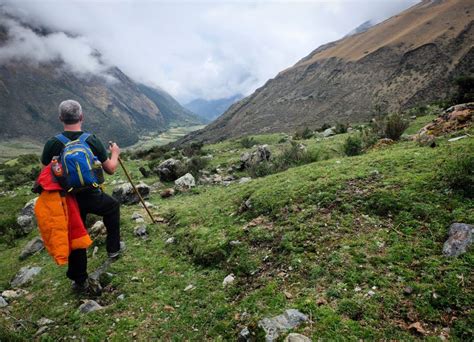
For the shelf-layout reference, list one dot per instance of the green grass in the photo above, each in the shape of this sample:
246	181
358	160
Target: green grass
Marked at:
331	230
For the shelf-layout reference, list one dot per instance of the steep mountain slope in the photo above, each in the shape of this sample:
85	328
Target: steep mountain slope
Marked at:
407	60
116	108
211	109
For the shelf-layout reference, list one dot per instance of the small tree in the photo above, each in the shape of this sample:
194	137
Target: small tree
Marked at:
353	145
394	126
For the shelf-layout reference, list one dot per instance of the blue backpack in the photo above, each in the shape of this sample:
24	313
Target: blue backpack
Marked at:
77	162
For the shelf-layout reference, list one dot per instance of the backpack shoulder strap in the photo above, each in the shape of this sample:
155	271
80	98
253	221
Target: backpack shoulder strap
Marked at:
62	138
84	137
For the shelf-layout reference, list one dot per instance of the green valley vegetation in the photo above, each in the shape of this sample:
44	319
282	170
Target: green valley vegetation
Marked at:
353	242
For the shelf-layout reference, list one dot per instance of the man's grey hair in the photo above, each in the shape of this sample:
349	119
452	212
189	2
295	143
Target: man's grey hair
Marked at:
70	112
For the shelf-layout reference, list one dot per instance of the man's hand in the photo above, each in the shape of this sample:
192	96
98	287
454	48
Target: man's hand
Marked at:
114	148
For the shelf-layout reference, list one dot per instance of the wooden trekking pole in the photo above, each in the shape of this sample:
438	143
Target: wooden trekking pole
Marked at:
135	189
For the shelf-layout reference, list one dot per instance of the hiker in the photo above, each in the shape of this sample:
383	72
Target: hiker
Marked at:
91	200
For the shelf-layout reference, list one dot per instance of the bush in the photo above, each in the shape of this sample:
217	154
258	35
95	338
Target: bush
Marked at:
341	128
465	86
458	173
368	137
324	127
247	142
390	126
195	164
303	134
353	145
193	149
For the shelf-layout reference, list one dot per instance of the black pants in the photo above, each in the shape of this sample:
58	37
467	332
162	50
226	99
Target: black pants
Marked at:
98	203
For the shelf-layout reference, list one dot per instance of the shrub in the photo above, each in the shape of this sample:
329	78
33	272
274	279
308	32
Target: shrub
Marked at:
368	137
195	164
353	145
248	142
341	128
262	169
395	125
193	149
458	173
303	134
465	86
324	127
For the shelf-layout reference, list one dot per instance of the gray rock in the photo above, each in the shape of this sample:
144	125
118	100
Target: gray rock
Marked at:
98	229
136	215
89	306
35	245
328	132
261	154
185	182
27	220
170	241
121	297
169	170
3	302
44	321
244	335
25	276
12	294
41	330
460	238
277	325
293	337
140	220
140	231
244	180
126	195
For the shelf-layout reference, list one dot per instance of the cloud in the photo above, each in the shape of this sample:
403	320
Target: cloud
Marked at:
191	49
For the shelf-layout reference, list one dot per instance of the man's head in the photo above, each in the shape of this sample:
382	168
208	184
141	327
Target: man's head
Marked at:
70	112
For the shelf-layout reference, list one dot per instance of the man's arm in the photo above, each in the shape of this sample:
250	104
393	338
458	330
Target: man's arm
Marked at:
110	165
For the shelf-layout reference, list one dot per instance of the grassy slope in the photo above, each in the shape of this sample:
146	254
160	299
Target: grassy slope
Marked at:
322	231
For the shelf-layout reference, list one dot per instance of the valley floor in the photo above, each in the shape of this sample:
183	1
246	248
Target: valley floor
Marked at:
355	243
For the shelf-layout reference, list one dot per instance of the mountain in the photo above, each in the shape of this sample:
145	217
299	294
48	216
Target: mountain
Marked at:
408	60
361	28
115	107
211	109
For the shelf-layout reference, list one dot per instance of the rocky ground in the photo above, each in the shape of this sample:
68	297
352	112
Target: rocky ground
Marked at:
375	246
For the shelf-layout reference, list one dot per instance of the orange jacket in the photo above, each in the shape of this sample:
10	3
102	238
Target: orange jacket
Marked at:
59	219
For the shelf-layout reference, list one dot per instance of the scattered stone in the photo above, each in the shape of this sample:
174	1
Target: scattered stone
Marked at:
261	154
328	132
170	241
25	276
3	302
33	246
277	325
457	138
169	170
452	119
371	293
156	186
189	288
246	205
235	243
417	327
136	216
408	290
140	220
140	231
383	143
27	220
121	297
460	238
167	193
321	301
244	335
169	308
288	295
357	289
44	321
41	330
125	194
89	306
94	251
97	229
185	182
12	294
426	140
293	337
150	205
244	180
228	280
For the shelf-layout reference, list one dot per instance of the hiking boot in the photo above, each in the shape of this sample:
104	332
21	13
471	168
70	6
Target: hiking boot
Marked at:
89	287
116	255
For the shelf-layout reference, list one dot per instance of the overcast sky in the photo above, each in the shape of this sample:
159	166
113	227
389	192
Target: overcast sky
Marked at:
192	49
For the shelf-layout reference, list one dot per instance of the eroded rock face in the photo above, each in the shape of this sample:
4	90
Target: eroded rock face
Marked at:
33	246
25	276
125	194
460	238
261	154
185	182
169	170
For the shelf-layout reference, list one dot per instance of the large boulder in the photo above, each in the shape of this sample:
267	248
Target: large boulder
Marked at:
27	220
460	238
24	276
126	195
169	170
453	119
261	154
185	182
328	132
33	246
